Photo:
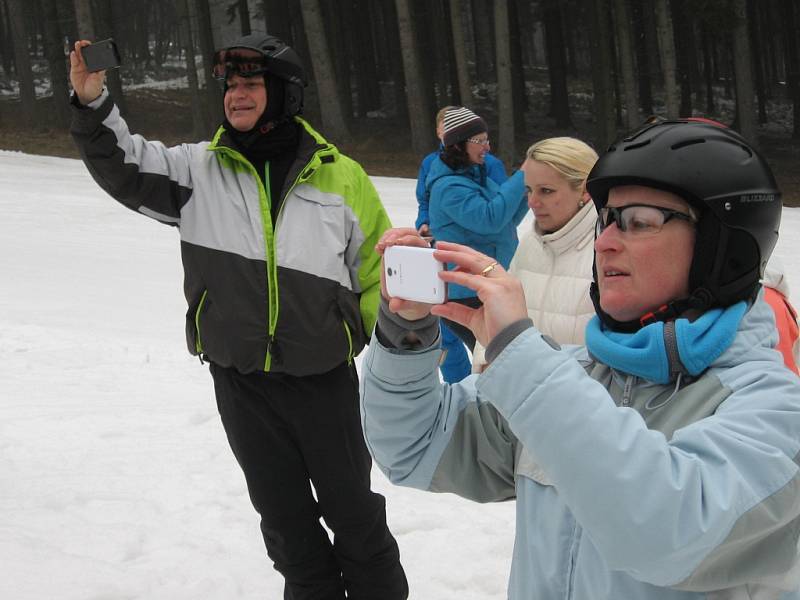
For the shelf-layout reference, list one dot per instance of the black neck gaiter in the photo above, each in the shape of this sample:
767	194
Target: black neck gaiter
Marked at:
276	149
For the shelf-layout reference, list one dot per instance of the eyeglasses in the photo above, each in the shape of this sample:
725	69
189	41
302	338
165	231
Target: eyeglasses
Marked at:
479	141
226	64
638	219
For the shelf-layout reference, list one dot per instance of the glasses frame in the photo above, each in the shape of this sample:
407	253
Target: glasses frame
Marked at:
614	215
485	142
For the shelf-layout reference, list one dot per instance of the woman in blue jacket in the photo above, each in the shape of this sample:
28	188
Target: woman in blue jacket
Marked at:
661	461
469	208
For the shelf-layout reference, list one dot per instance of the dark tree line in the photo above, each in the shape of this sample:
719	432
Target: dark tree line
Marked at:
403	59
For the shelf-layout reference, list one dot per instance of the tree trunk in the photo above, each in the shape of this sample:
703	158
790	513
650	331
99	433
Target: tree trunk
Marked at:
276	20
792	59
434	37
771	17
484	42
517	70
446	40
602	77
761	88
165	20
460	45
505	92
528	25
336	21
623	28
213	94
369	92
6	45
556	67
683	37
185	28
83	18
569	35
300	45
744	73
104	28
334	120
391	30
666	44
19	33
421	17
642	58
708	69
244	16
650	30
57	62
421	138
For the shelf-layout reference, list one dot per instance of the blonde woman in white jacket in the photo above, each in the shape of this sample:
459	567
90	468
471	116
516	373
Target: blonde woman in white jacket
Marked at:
554	260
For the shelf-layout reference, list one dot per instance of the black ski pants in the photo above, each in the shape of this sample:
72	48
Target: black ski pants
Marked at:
288	433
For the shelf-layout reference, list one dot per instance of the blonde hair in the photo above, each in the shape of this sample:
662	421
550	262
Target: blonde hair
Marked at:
571	157
441	113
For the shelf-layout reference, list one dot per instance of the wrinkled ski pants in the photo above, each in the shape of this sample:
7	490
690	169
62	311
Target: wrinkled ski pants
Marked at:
288	433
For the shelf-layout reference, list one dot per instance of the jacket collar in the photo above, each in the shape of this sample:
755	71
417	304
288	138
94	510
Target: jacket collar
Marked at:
312	144
576	233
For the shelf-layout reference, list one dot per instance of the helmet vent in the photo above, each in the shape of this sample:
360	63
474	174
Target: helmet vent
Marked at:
685	143
636	145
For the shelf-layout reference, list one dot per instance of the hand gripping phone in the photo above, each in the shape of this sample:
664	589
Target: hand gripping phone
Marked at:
412	273
101	55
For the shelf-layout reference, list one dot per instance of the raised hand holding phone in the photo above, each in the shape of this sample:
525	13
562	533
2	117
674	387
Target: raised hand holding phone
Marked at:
401	236
101	56
412	273
87	85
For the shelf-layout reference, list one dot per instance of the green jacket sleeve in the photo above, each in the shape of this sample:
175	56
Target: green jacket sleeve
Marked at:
372	221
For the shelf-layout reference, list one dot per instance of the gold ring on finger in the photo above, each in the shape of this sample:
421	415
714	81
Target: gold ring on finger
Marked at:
489	269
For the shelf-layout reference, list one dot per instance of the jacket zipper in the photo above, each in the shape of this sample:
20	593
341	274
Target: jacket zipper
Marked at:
628	390
269	241
272	276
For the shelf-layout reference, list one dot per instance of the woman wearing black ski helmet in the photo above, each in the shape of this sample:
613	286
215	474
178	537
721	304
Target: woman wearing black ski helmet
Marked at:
730	187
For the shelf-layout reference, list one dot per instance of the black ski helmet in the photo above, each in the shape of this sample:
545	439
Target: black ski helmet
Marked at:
281	61
726	180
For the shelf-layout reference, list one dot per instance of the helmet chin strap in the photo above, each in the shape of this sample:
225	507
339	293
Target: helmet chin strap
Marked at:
698	302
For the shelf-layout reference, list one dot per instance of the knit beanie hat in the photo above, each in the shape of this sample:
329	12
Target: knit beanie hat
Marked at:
460	124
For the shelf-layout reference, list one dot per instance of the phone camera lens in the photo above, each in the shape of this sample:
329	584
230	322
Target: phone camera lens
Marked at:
389	271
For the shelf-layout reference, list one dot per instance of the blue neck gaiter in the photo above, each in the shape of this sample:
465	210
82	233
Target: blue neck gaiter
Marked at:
644	352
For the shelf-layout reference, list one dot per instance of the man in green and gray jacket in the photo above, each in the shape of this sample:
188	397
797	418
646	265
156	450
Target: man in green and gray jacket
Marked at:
277	234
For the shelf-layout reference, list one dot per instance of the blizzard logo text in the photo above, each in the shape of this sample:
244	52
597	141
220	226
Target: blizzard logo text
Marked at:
757	198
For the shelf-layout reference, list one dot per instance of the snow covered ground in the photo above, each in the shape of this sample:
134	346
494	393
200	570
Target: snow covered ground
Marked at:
116	481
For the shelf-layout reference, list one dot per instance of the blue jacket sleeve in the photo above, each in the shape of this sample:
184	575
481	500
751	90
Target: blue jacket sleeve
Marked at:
495	169
471	207
422	193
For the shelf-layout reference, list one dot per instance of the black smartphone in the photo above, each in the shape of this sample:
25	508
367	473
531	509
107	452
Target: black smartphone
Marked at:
101	55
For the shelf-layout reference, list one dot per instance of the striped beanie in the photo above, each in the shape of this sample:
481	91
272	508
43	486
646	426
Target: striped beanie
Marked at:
460	124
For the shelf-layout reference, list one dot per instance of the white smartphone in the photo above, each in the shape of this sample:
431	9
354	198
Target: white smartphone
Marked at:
413	274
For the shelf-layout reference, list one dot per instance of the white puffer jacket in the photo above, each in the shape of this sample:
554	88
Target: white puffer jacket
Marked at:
556	270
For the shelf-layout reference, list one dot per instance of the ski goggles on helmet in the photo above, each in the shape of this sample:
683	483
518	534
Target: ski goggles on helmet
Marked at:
235	62
638	219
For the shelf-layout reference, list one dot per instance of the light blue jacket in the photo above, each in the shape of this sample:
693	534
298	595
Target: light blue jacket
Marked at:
468	208
625	489
495	170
